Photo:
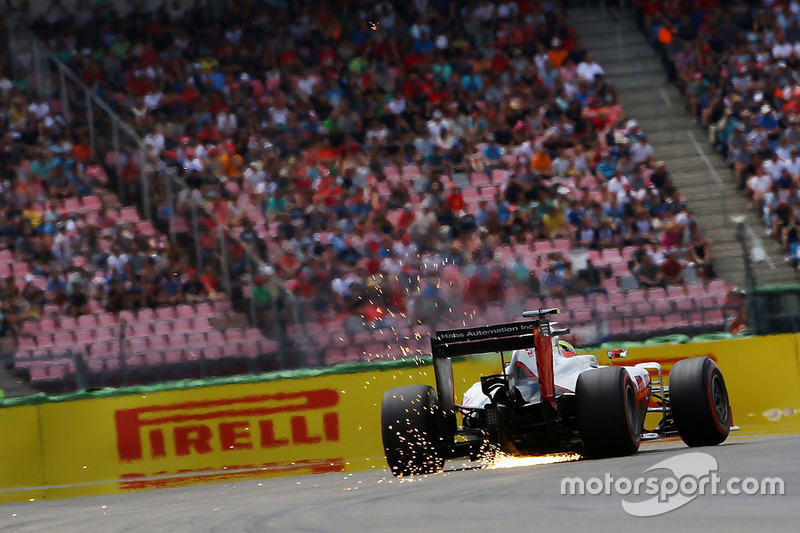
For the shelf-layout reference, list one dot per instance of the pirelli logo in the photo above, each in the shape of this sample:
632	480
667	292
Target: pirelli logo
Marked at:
244	423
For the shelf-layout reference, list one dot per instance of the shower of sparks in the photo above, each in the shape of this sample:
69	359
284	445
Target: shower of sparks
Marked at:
512	461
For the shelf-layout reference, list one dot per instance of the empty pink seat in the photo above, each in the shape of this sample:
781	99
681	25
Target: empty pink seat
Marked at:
184	311
252	334
128	215
145	228
268	346
391	172
234	335
411	172
617	326
153	358
105	333
162	328
562	245
139	329
674	320
717	287
127	316
220	307
488	193
38	374
67	322
177	339
204	309
63	338
26	343
71	205
612	255
195	339
649	324
173	355
92	203
87	321
595	257
136	344
165	313
182	325
84	336
201	323
675	291
335	356
158	342
212	352
498	176
249	348
146	315
384	188
479	179
215	338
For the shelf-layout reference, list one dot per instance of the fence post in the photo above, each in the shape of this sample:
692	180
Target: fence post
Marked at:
115	146
90	118
196	232
168	182
62	79
253	319
224	267
143	181
37	69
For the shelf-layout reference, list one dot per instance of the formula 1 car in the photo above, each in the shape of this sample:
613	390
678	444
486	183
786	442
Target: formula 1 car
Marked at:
546	400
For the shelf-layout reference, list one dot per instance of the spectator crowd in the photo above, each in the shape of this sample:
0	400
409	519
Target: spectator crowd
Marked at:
337	157
736	63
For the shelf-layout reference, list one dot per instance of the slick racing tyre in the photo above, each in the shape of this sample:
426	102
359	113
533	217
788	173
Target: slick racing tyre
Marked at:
413	430
699	402
608	413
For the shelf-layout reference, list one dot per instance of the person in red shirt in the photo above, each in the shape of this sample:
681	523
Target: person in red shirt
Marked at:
209	133
82	152
455	199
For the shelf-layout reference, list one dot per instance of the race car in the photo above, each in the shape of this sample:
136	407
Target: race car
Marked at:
547	399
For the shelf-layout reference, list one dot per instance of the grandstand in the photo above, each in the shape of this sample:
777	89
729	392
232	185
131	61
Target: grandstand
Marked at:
185	198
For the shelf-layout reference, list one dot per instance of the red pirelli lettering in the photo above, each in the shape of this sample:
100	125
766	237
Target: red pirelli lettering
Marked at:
197	434
192	437
235	436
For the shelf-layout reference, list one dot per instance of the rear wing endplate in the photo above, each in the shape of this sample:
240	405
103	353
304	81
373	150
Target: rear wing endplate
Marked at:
487	339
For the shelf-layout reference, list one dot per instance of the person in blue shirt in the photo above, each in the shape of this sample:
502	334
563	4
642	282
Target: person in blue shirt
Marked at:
472	82
606	167
493	152
575	213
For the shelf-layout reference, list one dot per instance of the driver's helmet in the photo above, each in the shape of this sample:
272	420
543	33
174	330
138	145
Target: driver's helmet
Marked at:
567	350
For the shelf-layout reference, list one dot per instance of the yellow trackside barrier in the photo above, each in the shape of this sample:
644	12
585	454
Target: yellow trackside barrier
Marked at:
327	423
761	374
306	422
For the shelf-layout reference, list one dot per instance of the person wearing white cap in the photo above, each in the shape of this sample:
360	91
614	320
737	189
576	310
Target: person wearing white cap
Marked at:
437	124
769	121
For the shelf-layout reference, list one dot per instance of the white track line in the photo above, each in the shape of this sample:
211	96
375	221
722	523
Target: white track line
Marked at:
699	150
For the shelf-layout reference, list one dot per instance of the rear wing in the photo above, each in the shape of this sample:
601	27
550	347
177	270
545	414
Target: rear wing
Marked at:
451	343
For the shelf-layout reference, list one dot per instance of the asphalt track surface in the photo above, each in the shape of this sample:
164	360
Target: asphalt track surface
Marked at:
521	498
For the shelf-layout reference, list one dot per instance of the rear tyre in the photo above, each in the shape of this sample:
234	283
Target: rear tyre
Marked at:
608	413
413	430
699	402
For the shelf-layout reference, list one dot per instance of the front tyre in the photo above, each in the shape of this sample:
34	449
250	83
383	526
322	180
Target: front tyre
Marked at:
413	430
608	413
698	399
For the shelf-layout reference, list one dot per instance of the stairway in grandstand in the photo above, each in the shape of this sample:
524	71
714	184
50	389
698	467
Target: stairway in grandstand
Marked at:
697	170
